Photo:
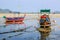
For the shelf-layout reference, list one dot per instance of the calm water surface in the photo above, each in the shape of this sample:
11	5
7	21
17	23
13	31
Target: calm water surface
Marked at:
30	33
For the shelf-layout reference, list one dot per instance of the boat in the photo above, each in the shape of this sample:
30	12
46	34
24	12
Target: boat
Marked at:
15	20
45	26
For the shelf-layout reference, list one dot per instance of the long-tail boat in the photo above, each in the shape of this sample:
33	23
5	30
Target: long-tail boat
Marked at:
45	26
14	20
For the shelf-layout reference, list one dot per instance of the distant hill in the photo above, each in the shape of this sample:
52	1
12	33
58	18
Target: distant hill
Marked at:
7	11
4	10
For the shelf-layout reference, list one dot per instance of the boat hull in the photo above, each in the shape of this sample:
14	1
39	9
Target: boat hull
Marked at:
45	28
16	20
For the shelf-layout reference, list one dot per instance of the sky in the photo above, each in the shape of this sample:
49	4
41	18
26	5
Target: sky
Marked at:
30	5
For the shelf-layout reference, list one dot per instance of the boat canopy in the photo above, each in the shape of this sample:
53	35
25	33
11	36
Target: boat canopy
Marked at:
45	11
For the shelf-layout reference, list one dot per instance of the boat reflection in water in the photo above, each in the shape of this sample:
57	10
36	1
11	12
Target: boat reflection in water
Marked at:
44	32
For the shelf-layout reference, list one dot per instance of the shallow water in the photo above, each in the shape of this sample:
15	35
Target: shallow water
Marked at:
30	33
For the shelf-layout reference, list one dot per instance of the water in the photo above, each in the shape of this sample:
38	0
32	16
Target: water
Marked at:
30	33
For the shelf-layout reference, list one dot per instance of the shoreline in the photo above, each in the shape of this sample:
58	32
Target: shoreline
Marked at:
27	15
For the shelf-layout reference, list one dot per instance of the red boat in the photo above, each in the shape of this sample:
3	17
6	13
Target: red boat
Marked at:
15	20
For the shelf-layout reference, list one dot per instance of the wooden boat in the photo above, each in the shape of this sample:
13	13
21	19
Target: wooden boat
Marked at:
44	28
15	20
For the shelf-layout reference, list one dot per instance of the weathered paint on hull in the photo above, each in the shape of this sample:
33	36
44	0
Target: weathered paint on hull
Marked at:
16	20
46	28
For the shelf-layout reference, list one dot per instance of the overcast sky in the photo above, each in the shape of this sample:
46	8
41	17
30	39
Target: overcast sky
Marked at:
30	5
